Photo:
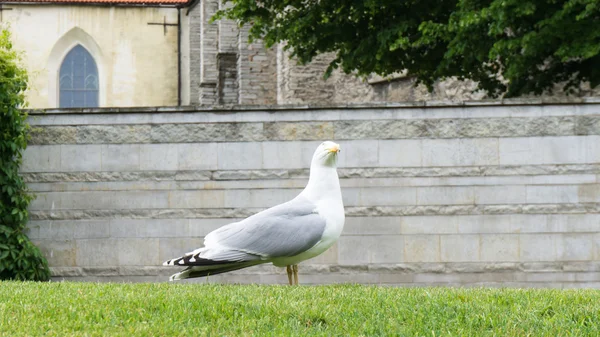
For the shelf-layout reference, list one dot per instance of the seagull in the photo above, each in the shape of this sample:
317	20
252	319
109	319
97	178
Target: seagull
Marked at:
284	235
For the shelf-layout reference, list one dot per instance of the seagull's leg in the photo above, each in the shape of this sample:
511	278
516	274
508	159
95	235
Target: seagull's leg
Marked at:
295	268
289	272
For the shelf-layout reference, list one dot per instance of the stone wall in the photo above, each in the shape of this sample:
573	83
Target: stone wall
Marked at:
476	193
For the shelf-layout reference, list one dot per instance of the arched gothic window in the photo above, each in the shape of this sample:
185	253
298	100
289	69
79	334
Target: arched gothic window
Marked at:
78	80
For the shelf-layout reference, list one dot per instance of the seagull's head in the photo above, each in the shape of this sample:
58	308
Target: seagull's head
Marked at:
326	154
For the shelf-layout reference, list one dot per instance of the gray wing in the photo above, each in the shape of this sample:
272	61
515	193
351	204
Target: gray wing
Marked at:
284	230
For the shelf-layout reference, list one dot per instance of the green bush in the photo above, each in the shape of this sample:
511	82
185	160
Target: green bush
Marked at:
19	258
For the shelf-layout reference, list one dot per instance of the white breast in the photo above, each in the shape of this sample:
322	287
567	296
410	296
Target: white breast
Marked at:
333	213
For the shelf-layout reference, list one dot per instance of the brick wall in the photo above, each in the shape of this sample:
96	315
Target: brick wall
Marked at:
476	193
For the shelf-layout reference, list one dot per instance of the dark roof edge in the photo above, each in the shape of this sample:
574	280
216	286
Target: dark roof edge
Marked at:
283	108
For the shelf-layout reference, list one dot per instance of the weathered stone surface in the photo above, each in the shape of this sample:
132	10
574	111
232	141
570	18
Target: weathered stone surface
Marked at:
206	132
341	130
298	131
100	271
193	175
66	272
182	213
250	174
53	135
42	158
587	125
370	129
113	134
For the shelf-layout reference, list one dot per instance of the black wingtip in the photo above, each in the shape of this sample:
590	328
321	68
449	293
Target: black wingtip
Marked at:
194	260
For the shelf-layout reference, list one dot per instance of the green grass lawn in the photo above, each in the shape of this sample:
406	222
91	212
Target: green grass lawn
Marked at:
109	309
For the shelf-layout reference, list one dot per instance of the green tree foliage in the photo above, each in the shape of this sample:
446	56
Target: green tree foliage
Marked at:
510	47
19	258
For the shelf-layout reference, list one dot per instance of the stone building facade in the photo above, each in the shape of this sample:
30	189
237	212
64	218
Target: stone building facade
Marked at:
136	56
224	69
167	52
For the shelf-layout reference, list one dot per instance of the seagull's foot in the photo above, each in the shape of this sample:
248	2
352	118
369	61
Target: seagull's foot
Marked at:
295	269
289	273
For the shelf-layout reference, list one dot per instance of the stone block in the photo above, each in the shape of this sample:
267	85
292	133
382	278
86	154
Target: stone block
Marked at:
400	153
566	179
334	279
97	252
575	247
53	135
564	150
422	248
478	151
74	229
503	223
373	226
429	225
546	150
196	175
81	158
498	195
149	228
196	199
329	257
33	228
113	134
138	252
460	152
159	157
500	248
387	196
475	224
201	227
299	131
59	253
41	158
450	195
587	125
538	247
396	278
531	223
432	128
519	151
282	155
589	193
375	129
459	248
259	198
122	157
170	248
596	241
235	156
199	156
352	196
356	153
46	201
440	152
574	222
66	272
557	194
114	200
355	250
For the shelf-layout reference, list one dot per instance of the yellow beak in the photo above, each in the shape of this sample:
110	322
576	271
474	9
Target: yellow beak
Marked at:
334	148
